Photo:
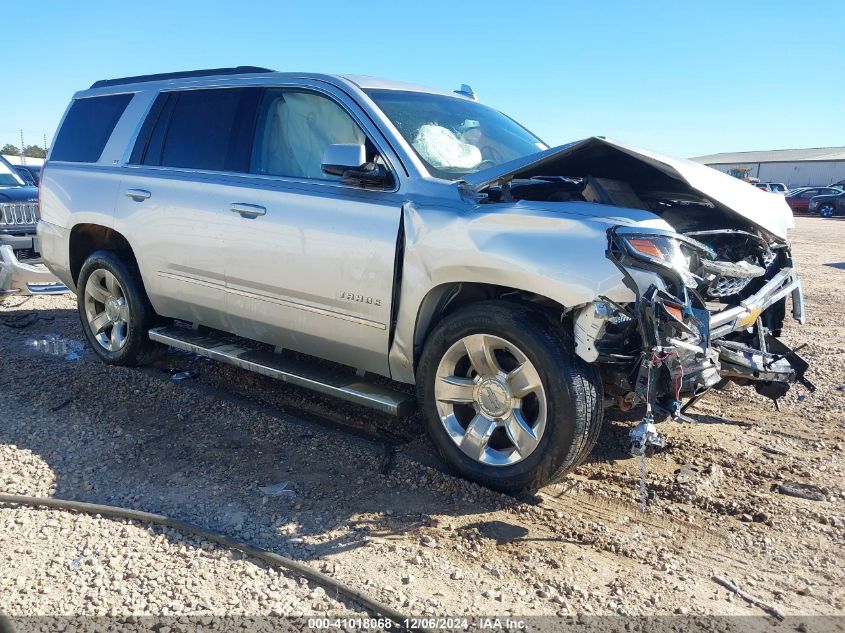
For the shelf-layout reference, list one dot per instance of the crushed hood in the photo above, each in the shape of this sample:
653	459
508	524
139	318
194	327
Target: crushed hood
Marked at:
643	168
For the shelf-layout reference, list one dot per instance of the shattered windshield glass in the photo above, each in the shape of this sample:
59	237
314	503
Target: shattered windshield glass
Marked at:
455	136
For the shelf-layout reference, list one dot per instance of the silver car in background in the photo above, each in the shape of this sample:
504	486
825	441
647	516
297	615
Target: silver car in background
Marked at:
347	234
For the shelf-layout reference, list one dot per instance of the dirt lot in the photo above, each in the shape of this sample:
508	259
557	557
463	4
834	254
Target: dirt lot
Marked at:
370	504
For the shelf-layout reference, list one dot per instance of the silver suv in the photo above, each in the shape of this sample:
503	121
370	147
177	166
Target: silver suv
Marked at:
349	234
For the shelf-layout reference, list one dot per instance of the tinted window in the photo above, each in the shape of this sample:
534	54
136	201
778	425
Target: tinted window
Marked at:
8	176
87	127
148	148
809	193
200	129
25	175
294	130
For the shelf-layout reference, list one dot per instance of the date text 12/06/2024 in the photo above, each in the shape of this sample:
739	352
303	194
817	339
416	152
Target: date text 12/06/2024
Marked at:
413	624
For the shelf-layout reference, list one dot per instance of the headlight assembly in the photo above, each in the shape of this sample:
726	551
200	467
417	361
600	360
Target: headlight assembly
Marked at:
662	251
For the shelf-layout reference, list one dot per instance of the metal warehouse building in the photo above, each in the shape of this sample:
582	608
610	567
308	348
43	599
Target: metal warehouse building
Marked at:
815	166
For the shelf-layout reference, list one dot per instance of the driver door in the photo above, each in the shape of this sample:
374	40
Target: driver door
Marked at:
309	260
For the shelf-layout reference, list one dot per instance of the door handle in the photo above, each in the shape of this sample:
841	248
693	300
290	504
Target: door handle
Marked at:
138	195
248	210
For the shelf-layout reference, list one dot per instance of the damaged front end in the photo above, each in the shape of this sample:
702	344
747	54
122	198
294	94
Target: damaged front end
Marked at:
699	319
710	284
664	350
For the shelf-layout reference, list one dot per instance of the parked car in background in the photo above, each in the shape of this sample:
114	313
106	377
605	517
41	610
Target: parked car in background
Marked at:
30	174
21	269
771	187
799	199
840	184
828	205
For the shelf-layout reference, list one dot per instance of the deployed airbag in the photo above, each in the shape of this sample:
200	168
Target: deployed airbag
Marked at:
442	149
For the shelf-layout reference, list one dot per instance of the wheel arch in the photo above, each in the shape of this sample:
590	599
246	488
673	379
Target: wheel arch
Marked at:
87	238
445	298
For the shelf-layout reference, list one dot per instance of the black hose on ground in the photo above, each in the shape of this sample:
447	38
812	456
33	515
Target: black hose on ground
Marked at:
6	625
300	569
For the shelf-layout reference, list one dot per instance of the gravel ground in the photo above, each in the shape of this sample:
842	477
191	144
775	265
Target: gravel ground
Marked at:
364	499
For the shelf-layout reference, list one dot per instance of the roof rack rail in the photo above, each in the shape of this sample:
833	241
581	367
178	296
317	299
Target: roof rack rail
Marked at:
237	70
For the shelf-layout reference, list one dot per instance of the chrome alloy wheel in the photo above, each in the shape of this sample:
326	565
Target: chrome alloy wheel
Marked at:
490	400
106	310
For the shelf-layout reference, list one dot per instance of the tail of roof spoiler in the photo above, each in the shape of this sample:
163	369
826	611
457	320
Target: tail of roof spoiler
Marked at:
643	168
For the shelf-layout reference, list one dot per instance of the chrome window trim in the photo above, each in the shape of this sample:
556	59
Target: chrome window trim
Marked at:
371	131
250	176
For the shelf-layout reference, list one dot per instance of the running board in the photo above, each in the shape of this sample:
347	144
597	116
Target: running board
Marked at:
316	376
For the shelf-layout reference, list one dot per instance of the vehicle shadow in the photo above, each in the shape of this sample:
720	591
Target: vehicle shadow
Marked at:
839	265
259	462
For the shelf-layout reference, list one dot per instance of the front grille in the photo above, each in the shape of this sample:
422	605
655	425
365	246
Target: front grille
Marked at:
18	213
727	286
24	255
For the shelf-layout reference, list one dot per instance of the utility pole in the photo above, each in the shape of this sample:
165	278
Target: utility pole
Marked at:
45	143
23	158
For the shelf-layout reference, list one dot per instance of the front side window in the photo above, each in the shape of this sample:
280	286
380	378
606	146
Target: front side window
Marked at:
294	129
87	128
455	136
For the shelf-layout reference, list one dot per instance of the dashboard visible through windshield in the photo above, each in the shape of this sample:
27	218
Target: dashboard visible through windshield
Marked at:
454	136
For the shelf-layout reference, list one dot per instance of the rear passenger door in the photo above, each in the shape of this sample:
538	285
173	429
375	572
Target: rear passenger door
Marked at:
174	197
312	269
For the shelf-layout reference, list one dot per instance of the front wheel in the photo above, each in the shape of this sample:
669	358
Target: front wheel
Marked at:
506	401
114	309
826	210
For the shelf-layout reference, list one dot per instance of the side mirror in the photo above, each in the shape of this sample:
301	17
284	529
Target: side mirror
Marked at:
350	163
342	157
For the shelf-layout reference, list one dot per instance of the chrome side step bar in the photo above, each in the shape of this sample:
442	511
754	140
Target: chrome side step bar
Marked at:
332	381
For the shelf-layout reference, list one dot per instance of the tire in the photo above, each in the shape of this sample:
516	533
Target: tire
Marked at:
826	210
112	300
563	410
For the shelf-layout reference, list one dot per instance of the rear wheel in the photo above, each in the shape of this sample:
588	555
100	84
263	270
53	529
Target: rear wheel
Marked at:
505	399
826	210
114	309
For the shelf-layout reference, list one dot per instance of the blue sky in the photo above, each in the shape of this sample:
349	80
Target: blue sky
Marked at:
685	78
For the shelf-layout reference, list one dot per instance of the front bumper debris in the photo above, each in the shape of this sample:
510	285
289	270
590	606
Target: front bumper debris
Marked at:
677	356
746	313
26	278
685	348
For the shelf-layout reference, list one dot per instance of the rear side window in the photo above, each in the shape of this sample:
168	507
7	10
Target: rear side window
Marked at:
200	129
87	128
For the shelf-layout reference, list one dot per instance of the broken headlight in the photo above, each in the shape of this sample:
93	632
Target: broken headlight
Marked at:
662	251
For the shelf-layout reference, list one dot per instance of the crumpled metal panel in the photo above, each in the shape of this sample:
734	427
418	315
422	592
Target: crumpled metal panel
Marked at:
536	248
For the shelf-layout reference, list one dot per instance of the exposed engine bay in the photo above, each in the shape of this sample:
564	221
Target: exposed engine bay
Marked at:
711	294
